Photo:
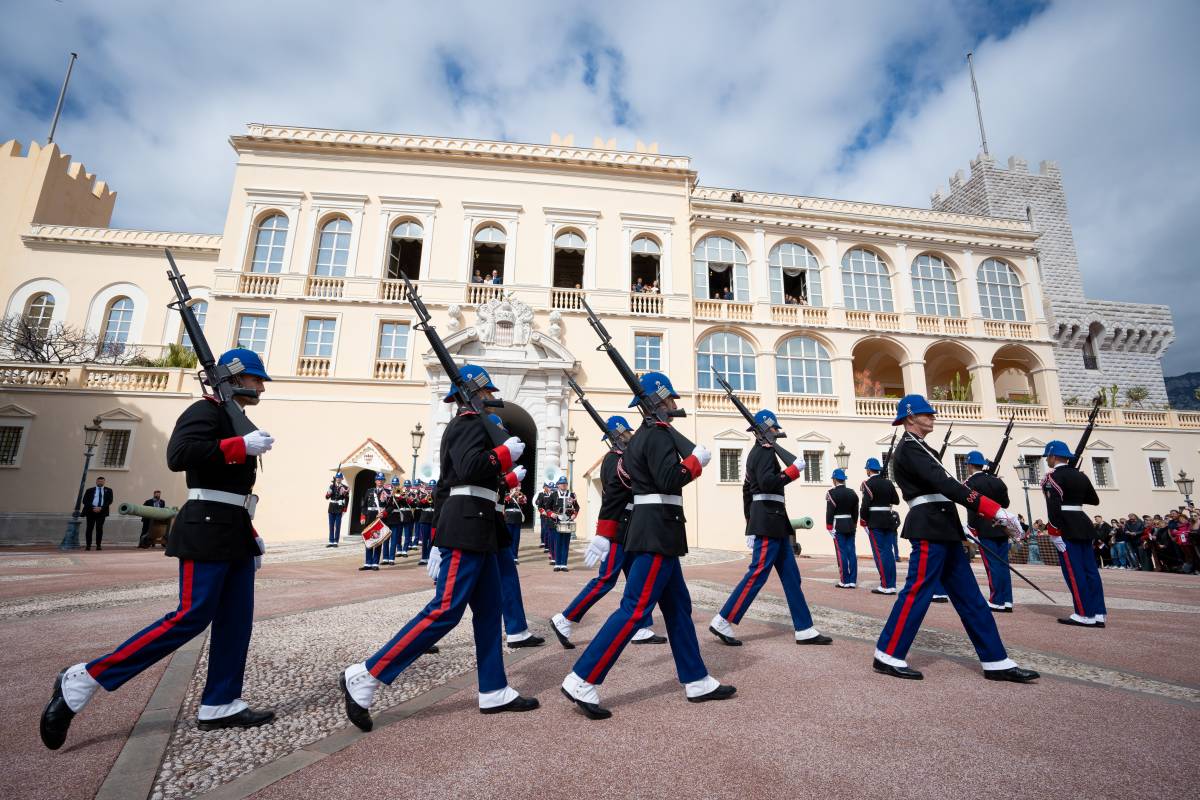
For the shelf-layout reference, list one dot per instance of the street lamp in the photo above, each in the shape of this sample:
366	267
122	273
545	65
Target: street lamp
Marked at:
1025	473
1185	485
572	443
418	436
91	438
842	456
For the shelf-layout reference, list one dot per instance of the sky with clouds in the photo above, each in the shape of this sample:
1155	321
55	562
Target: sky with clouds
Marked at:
858	100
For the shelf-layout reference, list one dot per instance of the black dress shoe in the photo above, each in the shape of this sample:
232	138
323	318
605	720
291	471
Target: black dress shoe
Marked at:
908	673
820	638
432	650
331	544
1098	624
722	692
727	640
655	639
360	716
56	718
941	599
364	568
566	643
518	703
1076	623
532	641
1013	674
246	718
590	710
1004	610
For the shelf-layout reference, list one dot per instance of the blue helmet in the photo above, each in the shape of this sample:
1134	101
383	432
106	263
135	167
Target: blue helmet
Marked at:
472	375
395	481
251	362
765	417
499	423
874	465
561	479
912	404
1058	448
339	475
433	483
839	474
976	459
617	425
408	484
656	384
379	476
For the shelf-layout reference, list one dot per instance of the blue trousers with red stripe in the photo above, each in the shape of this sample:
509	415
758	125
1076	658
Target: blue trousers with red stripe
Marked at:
1078	565
931	562
561	544
768	554
847	558
994	555
653	578
371	555
883	548
513	605
545	533
514	533
220	593
425	537
406	533
618	561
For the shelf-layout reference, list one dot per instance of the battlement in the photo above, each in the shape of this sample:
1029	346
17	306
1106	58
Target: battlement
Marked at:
61	162
982	164
43	185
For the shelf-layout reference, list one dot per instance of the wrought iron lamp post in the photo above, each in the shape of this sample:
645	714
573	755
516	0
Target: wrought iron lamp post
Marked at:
418	436
91	438
572	444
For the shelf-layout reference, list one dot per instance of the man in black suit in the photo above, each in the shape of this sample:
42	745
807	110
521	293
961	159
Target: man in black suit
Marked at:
154	502
96	501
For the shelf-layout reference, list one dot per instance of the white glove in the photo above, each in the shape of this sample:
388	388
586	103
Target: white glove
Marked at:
597	551
516	448
1009	520
258	442
262	549
702	454
1059	544
519	471
435	561
749	542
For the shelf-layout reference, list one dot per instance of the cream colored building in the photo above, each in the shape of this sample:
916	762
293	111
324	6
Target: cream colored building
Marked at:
320	223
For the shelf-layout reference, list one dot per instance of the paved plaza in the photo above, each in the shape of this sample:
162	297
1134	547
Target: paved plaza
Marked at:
1110	717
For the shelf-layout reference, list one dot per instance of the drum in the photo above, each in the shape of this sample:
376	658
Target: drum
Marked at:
565	526
375	534
513	516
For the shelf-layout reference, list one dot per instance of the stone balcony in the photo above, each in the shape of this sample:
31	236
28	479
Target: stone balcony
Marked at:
97	377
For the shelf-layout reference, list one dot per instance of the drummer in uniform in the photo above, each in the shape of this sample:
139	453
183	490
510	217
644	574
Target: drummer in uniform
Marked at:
880	522
563	510
514	518
543	508
374	506
338	495
394	520
406	518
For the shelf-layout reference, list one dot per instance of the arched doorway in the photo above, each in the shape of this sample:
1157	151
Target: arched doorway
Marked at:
521	425
364	482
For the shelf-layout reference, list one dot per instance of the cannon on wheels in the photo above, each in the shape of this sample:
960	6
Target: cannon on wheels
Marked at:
159	519
801	524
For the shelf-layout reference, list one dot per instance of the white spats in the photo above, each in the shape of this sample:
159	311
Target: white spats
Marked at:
721	626
807	633
941	597
1101	618
701	687
1007	663
891	661
497	698
518	637
995	607
562	623
883	590
207	713
643	634
78	686
361	684
580	689
1084	620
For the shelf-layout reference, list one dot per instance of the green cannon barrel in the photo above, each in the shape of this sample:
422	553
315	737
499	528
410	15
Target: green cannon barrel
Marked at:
802	524
148	512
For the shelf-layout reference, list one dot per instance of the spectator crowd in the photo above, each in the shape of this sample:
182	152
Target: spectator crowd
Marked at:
1151	543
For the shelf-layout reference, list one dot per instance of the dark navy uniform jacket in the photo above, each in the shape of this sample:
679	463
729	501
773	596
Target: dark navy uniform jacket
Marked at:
767	518
841	509
877	492
339	498
991	486
468	458
616	494
205	530
1066	486
919	473
655	467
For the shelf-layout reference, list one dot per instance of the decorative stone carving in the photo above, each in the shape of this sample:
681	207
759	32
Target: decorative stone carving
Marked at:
504	322
456	317
556	327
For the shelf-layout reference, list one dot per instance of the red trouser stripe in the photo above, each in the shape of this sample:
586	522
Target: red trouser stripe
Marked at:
986	568
185	605
604	576
639	611
878	558
753	578
922	562
415	631
1065	558
837	548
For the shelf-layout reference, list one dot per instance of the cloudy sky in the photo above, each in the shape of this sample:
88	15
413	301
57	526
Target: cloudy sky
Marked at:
867	101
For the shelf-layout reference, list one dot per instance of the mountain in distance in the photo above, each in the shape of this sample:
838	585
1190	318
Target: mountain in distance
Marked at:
1181	391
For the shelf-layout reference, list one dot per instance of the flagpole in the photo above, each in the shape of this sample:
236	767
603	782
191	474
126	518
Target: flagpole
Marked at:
978	104
62	95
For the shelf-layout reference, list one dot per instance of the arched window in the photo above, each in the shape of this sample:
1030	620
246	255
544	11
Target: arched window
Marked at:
802	366
645	258
935	292
488	264
404	253
719	270
333	250
732	355
115	334
1000	292
795	275
569	247
39	312
200	309
866	282
270	239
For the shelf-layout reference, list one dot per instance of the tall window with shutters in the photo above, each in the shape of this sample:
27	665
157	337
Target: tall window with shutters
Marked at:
1102	471
960	466
731	465
114	449
10	444
813	466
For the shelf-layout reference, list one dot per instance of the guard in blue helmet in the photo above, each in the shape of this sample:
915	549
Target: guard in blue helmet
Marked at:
422	505
841	515
937	533
543	508
218	551
404	502
251	362
656	384
618	429
375	506
1067	491
563	510
394	520
880	521
338	495
464	564
769	536
994	539
475	375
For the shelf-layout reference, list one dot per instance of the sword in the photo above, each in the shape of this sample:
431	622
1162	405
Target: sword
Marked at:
978	543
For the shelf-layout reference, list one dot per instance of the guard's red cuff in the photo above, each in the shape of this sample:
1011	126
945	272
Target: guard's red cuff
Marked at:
793	472
988	507
432	534
234	450
829	528
504	456
692	465
1053	531
607	528
511	480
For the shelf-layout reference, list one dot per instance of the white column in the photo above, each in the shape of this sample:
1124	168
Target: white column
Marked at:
310	233
903	289
510	252
426	244
1034	303
625	273
968	286
758	263
548	256
831	273
378	271
468	235
589	258
666	273
843	382
356	223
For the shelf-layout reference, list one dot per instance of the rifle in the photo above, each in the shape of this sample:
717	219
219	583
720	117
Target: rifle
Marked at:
614	443
945	442
468	391
1087	432
887	459
994	464
762	433
651	406
216	380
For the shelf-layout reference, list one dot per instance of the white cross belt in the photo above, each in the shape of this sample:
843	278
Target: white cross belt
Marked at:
658	499
475	491
928	498
774	498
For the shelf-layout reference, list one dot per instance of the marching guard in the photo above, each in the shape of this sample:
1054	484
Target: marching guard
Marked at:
881	522
374	506
218	551
993	538
394	519
933	527
424	513
543	508
514	517
768	535
338	495
841	511
607	547
657	537
563	508
1071	530
464	565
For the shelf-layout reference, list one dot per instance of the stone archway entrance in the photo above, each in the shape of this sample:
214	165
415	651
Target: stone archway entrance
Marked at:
359	468
364	482
521	425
